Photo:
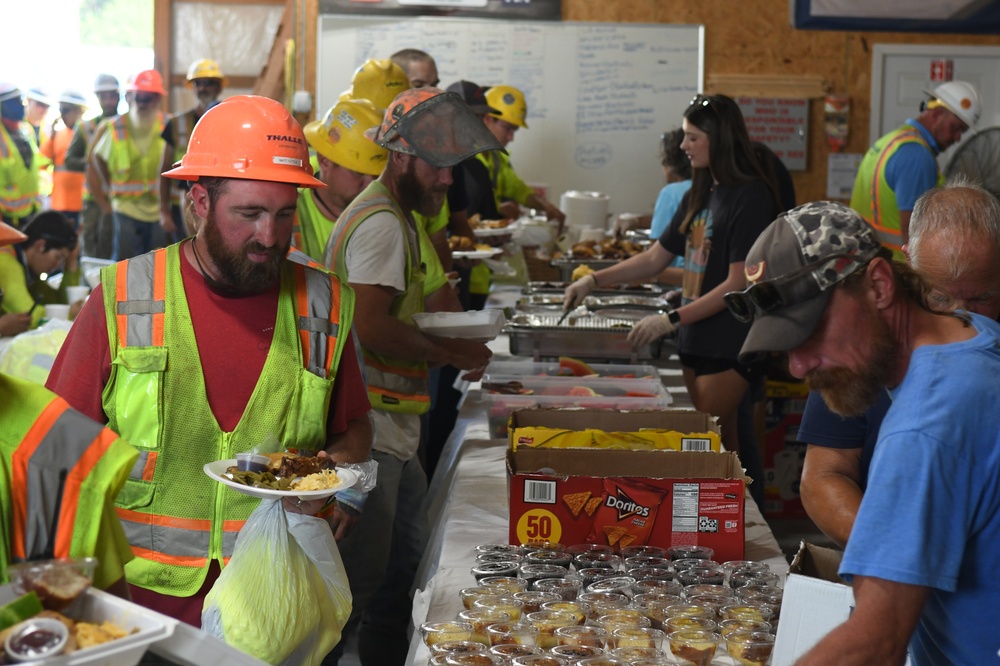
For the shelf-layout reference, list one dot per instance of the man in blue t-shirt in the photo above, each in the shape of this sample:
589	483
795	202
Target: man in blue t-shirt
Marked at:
925	546
955	245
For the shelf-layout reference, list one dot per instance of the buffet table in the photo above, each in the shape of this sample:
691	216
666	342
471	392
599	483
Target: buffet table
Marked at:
467	506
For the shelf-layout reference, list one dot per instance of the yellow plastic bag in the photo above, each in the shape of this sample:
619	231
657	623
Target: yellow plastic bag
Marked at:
284	597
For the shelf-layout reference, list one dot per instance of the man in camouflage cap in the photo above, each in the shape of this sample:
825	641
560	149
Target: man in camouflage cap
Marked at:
925	547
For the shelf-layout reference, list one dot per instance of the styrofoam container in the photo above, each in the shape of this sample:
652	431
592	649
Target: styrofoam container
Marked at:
555	392
91	269
97	607
482	325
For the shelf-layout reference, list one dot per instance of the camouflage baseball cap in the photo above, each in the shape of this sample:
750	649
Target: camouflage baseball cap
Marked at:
791	270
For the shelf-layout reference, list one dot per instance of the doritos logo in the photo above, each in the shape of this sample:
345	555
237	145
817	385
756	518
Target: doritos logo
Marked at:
626	506
754	272
284	137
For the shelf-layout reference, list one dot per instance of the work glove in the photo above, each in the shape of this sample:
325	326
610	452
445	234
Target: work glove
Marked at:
579	290
650	329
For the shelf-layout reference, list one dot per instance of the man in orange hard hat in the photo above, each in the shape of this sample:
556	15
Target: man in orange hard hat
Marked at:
375	247
206	79
217	342
126	160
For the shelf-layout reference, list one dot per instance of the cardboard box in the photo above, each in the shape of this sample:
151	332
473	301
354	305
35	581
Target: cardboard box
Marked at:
784	454
815	601
616	497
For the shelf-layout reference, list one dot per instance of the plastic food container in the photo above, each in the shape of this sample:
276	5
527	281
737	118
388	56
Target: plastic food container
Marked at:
251	462
481	325
97	607
58	583
750	648
439	632
505	393
693	646
566	369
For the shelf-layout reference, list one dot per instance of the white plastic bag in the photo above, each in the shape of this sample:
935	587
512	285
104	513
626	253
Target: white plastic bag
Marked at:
284	596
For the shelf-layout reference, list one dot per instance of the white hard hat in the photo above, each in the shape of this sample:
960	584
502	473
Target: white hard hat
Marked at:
961	98
72	97
106	83
39	96
8	91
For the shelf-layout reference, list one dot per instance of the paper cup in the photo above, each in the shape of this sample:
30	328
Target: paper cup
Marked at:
57	312
75	294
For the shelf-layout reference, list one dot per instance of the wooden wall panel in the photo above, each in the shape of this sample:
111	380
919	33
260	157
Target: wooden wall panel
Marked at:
755	37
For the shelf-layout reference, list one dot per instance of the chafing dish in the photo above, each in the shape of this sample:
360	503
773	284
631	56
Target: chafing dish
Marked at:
611	290
581	335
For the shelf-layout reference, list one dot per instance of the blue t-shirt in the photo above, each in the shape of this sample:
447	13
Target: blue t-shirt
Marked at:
820	426
912	170
667	203
931	516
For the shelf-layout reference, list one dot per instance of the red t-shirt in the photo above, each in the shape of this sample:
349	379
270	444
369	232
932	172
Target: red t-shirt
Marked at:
233	336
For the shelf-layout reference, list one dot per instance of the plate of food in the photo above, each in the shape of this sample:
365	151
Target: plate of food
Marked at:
286	475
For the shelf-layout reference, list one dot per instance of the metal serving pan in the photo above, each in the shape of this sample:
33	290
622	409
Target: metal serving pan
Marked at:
629	305
582	336
558	287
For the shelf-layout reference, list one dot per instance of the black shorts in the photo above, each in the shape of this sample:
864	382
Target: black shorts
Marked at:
709	365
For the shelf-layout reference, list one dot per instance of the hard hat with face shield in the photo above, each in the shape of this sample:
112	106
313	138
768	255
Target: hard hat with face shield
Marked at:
436	126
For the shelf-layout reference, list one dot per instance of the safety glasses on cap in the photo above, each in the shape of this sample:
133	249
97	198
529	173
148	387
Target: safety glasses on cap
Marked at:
784	291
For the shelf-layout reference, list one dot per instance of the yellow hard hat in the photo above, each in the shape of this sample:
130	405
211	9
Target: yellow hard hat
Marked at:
204	69
509	104
340	136
379	81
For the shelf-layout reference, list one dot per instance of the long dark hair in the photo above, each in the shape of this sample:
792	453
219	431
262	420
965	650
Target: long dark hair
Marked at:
731	157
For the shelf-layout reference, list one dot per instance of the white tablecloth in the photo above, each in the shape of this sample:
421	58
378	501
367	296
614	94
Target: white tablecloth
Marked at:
468	506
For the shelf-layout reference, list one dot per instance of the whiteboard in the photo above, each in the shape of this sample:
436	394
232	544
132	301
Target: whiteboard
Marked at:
599	95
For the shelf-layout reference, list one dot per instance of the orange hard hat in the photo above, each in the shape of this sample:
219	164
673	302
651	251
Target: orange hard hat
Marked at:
250	138
9	235
148	80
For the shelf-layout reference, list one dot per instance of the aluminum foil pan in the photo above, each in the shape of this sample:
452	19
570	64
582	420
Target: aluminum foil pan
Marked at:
582	335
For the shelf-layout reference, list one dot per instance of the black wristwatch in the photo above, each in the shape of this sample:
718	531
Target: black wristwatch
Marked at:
674	317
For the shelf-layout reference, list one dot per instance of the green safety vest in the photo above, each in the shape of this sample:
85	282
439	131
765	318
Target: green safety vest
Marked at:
59	474
19	183
176	518
394	385
134	175
872	197
312	229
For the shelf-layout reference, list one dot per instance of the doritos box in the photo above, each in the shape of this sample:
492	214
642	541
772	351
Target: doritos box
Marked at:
784	453
623	497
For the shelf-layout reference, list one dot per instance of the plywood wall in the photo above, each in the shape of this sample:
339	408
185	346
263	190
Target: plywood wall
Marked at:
754	37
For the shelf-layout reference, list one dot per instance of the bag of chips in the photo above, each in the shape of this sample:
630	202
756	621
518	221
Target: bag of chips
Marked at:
626	514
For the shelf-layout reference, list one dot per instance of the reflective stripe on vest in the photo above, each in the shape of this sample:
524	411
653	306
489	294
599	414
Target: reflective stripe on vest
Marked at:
140	293
313	305
57	454
394	385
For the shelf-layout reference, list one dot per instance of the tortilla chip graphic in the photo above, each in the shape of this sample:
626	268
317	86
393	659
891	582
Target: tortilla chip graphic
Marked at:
626	540
591	506
614	533
575	501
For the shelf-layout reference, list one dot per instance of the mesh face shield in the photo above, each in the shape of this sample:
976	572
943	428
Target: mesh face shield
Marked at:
441	130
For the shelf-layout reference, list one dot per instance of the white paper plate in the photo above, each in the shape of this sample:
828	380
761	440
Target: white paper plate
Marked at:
476	254
217	470
482	325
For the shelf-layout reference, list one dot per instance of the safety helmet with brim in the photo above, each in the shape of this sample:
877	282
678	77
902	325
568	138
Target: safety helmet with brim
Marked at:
247	137
436	126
